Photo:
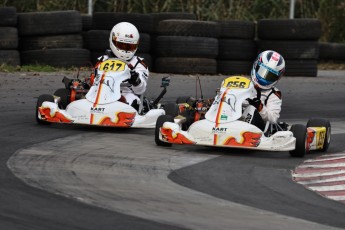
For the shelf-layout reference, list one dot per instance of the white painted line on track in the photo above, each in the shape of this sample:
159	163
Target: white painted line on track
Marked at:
336	179
327	188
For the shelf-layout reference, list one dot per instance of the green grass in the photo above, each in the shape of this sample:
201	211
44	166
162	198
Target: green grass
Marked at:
36	68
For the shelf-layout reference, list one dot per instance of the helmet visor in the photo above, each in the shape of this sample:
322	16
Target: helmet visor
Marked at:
125	46
266	75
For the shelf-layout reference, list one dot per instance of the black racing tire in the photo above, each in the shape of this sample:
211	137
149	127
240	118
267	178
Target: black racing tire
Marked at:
52	22
51	42
86	20
64	57
10	57
237	29
237	49
292	49
181	27
300	133
8	38
65	97
186	46
160	121
331	51
8	16
233	67
289	29
107	20
302	68
97	40
185	65
40	100
320	122
157	17
171	109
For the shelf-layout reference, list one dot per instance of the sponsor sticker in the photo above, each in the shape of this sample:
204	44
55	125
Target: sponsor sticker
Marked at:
223	117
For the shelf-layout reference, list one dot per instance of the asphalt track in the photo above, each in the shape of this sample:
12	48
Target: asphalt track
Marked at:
66	177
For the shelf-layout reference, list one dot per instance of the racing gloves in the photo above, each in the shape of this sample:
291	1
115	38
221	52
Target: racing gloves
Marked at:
135	79
256	102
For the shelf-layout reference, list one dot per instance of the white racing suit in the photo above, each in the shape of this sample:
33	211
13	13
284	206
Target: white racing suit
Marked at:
270	110
130	92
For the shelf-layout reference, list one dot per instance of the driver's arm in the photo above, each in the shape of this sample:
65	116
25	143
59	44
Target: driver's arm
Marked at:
143	72
271	111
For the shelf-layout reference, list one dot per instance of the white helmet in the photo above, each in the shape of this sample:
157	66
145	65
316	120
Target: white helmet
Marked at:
267	69
124	40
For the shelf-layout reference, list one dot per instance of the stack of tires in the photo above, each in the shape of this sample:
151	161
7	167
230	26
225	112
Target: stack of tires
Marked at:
9	53
334	52
102	23
296	40
186	46
52	38
237	48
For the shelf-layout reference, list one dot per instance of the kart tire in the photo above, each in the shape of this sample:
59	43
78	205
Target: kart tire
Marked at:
8	16
40	100
159	124
300	133
65	97
171	109
319	122
181	27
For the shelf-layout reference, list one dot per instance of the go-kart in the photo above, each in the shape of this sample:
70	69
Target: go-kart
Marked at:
222	123
101	104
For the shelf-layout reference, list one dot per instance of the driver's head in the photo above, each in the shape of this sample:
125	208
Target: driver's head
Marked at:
124	40
267	69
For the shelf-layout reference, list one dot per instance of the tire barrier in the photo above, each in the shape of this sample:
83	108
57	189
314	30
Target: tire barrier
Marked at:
191	42
237	49
295	39
9	37
332	51
52	38
226	47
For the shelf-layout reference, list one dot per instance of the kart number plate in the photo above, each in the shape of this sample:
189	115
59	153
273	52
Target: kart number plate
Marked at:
236	83
112	65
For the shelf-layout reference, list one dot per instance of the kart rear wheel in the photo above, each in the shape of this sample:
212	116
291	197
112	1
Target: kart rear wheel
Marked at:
65	95
171	109
159	124
40	100
319	122
300	133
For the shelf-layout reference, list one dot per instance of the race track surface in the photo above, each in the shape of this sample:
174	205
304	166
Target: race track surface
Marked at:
67	177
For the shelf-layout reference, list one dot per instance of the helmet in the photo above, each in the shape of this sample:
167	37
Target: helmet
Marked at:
267	69
124	40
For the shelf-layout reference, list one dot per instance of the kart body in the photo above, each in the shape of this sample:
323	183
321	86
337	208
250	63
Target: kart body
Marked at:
102	105
225	124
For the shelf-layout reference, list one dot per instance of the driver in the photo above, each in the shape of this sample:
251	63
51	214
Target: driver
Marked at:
267	70
124	42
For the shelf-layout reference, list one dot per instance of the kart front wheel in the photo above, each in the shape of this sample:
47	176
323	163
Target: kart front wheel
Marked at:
65	95
40	100
171	109
319	122
300	133
159	124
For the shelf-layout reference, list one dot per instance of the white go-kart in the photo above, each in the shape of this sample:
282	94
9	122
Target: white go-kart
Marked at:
102	104
224	125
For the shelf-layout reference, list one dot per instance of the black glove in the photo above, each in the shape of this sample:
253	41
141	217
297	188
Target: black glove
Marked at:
135	79
256	102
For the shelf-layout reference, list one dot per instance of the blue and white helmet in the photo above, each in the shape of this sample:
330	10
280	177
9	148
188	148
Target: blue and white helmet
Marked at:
267	69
